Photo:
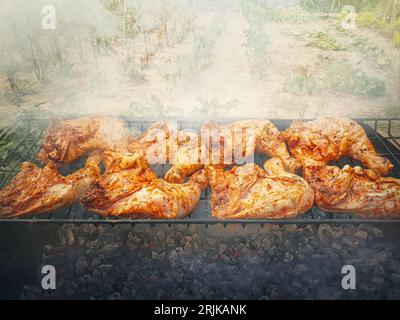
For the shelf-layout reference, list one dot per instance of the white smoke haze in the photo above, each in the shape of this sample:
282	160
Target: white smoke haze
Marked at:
157	58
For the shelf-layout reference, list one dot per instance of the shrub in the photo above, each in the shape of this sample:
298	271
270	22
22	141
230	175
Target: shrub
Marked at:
323	41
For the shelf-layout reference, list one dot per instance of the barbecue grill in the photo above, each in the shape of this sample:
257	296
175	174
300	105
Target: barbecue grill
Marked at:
27	134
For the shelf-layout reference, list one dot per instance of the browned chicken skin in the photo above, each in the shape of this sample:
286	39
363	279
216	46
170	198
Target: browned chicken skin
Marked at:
164	143
332	138
69	140
249	192
130	188
353	190
187	151
36	190
244	138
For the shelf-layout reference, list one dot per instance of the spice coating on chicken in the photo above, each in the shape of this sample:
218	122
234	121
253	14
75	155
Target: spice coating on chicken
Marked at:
249	192
36	190
353	190
241	139
164	143
68	140
332	138
130	188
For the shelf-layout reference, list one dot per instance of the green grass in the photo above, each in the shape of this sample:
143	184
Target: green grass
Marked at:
371	50
323	41
200	57
338	77
381	15
342	77
256	41
302	83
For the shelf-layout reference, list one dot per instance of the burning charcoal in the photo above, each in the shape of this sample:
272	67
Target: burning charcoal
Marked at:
366	288
69	236
338	233
61	237
86	279
71	289
170	241
81	240
158	256
110	249
212	243
274	295
325	232
291	228
361	234
288	257
108	284
299	270
393	266
48	249
377	233
293	292
186	239
97	276
378	281
350	242
101	230
381	257
316	261
161	236
327	292
106	267
115	296
273	262
379	270
97	261
395	277
88	229
81	265
92	244
31	293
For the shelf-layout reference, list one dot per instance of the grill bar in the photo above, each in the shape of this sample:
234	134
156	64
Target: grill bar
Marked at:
384	134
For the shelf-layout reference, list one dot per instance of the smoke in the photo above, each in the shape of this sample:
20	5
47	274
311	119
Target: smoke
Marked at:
28	47
163	57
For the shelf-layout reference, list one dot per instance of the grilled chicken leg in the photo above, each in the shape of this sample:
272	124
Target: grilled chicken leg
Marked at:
164	143
353	190
250	192
67	141
130	188
332	138
36	190
187	151
242	139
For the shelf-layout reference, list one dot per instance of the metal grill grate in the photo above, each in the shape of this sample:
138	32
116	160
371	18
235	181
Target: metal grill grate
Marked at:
27	135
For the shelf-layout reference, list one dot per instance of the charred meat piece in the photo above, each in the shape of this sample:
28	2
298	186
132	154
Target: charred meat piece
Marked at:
130	188
69	140
249	192
353	190
36	190
332	138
